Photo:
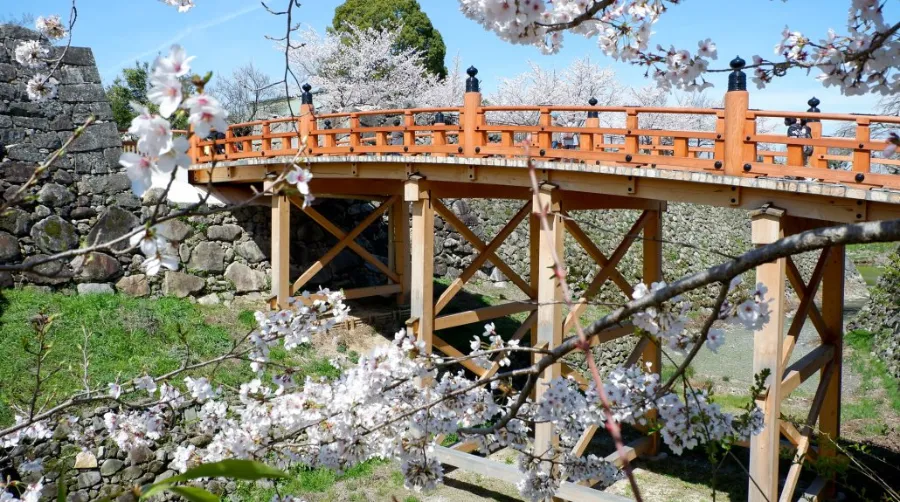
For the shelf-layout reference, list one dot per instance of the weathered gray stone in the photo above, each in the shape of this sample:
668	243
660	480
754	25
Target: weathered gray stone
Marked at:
18	172
110	184
53	272
210	299
175	230
245	279
9	247
6	280
80	93
55	195
111	466
181	285
79	496
112	224
250	251
224	232
89	479
207	257
15	221
164	476
132	472
82	213
134	285
54	235
85	460
93	288
95	267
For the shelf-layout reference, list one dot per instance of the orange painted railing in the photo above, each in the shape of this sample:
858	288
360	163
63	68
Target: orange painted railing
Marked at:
721	140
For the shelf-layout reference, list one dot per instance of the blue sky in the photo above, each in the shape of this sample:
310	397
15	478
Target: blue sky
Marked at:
225	34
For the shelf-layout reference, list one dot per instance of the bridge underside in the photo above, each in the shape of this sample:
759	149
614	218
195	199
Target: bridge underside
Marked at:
410	188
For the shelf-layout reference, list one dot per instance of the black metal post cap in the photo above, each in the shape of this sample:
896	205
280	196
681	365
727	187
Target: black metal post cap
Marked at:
814	102
860	177
737	63
628	158
472	82
306	87
327	124
718	164
306	97
472	71
737	80
592	101
592	114
747	167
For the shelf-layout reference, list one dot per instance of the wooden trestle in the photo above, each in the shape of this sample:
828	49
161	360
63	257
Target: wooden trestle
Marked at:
611	169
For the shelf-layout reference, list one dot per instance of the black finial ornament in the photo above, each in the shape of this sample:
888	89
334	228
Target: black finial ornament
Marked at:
327	124
472	82
593	113
813	108
737	80
306	97
439	118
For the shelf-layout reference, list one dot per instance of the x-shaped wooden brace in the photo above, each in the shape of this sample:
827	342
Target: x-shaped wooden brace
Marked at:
345	240
807	308
607	266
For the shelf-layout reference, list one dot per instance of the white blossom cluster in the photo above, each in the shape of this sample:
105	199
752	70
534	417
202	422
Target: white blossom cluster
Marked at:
33	54
181	5
496	347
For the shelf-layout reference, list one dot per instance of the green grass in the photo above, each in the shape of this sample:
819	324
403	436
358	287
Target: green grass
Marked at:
874	374
303	481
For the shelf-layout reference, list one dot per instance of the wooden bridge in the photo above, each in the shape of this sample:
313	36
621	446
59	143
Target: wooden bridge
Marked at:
408	160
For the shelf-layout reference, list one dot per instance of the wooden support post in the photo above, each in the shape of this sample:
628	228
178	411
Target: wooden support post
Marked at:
653	273
549	312
767	346
815	129
471	104
862	159
409	135
421	290
586	140
281	248
631	124
833	313
534	239
736	105
266	139
354	139
399	247
307	125
545	138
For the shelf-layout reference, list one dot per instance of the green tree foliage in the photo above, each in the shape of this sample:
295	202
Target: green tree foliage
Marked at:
417	31
132	86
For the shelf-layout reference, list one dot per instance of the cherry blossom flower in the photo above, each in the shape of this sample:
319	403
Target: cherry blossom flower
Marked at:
176	64
41	88
153	264
175	156
51	27
146	383
714	339
139	169
182	5
206	114
154	133
31	54
165	92
181	457
300	178
115	390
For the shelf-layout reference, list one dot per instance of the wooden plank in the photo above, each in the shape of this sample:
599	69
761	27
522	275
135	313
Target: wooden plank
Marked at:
383	290
594	252
481	314
421	302
488	252
584	441
614	333
340	235
605	272
399	225
344	242
767	344
736	105
804	368
815	489
549	312
281	250
511	474
651	353
478	244
452	352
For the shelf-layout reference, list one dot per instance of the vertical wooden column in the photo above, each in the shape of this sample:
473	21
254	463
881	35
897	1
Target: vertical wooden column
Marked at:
653	233
632	141
737	102
587	140
471	104
281	247
767	354
398	254
862	158
545	138
307	122
534	251
549	312
833	313
815	130
421	289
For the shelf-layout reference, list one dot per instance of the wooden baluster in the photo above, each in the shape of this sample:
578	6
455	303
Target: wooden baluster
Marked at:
229	143
862	158
266	139
194	148
655	142
409	134
354	132
545	138
329	140
680	147
438	136
632	140
750	145
719	145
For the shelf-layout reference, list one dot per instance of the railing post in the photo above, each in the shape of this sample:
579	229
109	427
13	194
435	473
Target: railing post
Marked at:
194	147
330	141
586	142
631	124
438	137
471	105
354	132
229	142
266	139
307	120
749	151
409	135
737	102
862	159
815	130
545	138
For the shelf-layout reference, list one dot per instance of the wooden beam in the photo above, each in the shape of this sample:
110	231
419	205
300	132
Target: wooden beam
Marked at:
570	372
344	242
653	250
399	246
452	352
421	302
614	333
833	313
549	312
605	272
481	314
281	250
478	244
807	300
340	235
813	492
594	252
796	280
805	367
511	474
767	344
488	252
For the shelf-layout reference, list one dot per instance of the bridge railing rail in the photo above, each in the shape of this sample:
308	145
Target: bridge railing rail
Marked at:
734	140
